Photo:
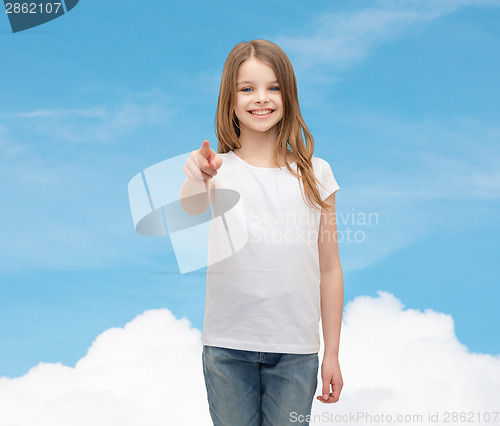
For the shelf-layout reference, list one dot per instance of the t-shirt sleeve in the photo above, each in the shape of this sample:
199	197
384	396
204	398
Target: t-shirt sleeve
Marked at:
327	180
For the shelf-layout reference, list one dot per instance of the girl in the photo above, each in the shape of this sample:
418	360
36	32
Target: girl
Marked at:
264	301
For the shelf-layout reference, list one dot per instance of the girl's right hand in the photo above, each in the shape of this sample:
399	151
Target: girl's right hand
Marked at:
203	163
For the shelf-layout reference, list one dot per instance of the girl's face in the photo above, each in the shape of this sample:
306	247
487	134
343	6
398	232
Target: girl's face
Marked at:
259	105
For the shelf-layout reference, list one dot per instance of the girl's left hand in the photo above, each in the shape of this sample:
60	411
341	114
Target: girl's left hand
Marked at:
331	376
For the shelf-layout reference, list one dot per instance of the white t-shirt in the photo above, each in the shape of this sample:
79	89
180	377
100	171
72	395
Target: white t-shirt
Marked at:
266	296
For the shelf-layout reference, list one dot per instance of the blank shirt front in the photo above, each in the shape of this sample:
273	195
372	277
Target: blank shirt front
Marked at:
266	296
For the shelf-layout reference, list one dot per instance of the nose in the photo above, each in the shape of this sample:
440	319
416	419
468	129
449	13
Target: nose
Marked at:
261	96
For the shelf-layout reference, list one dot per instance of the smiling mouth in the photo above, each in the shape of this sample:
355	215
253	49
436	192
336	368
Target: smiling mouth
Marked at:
261	113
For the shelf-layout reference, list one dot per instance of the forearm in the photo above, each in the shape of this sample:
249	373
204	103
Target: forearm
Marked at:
332	302
194	196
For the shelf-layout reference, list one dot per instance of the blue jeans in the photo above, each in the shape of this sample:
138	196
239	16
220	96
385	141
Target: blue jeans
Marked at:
246	388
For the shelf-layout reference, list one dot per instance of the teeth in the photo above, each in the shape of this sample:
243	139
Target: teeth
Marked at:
267	111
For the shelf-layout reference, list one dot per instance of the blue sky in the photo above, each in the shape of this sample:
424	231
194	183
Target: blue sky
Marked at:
401	97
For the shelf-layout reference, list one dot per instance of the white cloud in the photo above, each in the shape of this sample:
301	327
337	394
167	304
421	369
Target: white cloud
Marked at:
436	176
147	373
342	39
406	361
430	159
393	360
53	161
8	148
96	124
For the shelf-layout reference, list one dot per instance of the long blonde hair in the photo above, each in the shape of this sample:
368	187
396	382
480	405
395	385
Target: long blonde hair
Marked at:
290	127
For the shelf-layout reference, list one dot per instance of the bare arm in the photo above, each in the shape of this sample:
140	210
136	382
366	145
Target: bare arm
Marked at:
195	195
200	167
332	301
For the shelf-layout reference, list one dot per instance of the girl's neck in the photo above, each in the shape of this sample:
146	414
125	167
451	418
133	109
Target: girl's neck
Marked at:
258	147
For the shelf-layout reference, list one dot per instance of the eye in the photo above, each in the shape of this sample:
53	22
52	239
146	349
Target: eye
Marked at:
246	89
275	89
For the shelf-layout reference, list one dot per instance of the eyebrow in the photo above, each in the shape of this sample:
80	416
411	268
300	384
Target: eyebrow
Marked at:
250	82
